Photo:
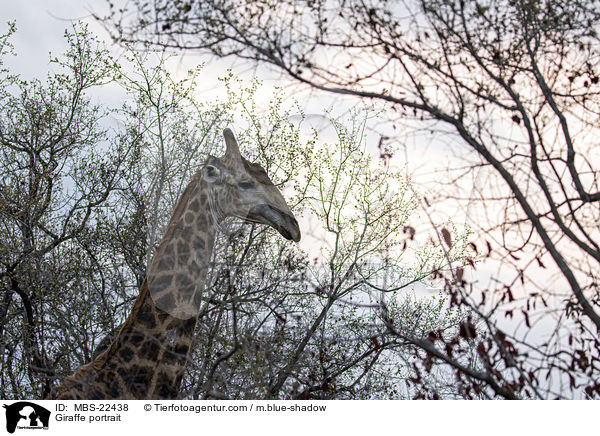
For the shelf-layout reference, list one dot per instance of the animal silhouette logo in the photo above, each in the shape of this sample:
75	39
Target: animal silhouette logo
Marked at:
26	415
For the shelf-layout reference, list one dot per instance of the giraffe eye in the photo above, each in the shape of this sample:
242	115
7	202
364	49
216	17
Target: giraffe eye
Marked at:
246	184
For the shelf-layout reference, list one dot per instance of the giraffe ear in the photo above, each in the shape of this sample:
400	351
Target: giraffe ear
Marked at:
210	173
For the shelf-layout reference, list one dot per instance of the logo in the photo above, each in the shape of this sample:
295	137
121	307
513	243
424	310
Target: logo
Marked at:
26	415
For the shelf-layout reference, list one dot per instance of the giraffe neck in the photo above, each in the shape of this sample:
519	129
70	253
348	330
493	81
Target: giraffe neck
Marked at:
149	355
156	339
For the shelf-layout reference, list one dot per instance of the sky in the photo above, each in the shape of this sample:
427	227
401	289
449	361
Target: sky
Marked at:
40	31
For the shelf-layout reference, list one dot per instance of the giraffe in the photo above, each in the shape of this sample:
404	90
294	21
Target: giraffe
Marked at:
148	357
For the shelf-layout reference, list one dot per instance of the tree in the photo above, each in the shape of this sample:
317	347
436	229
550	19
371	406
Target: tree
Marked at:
284	324
515	84
59	168
84	200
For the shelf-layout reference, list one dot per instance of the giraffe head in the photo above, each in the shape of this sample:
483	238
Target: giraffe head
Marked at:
242	189
230	187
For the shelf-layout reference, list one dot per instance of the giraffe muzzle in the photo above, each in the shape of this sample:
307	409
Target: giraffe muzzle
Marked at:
283	222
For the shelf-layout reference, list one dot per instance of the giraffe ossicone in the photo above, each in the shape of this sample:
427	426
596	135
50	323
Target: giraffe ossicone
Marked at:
148	357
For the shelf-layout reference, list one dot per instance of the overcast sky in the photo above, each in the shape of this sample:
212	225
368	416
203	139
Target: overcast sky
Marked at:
40	29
